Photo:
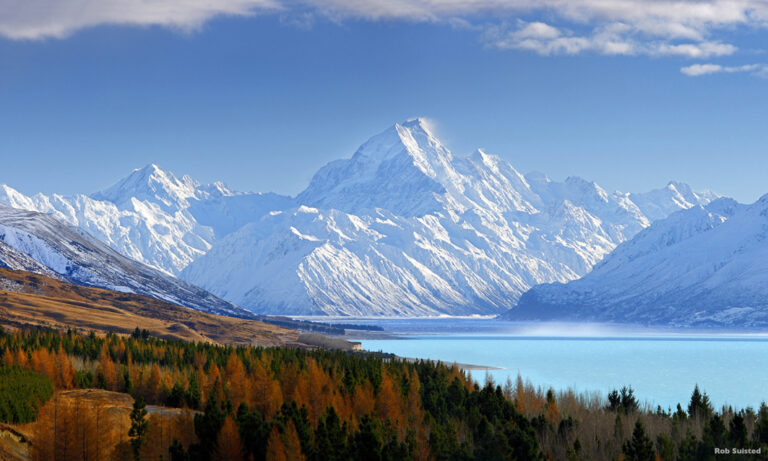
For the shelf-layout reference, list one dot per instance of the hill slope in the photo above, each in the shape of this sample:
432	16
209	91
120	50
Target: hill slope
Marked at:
40	243
28	299
706	266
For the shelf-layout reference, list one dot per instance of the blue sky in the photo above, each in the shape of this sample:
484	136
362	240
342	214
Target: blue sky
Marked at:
260	94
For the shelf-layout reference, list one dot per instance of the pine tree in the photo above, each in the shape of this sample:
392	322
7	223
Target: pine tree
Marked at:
330	438
207	428
640	448
761	428
699	406
139	426
737	435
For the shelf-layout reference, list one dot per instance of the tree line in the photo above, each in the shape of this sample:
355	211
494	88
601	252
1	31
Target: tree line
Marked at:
199	401
259	403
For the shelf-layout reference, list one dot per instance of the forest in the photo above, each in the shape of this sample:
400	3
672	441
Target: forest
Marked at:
89	396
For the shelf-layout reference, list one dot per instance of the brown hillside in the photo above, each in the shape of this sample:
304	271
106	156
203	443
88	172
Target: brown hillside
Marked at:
32	299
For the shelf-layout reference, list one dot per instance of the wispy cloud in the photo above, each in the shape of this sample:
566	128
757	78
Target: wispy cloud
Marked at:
697	70
610	39
684	28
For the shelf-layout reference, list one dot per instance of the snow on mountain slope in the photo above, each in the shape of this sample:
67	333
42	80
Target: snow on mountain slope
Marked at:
705	266
153	217
405	228
40	243
10	258
401	228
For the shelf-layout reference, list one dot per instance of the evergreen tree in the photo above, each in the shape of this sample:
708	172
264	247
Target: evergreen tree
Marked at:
194	394
640	447
687	450
21	392
679	415
665	448
699	406
330	438
714	436
254	432
207	428
139	426
176	452
737	434
365	443
761	428
176	397
623	400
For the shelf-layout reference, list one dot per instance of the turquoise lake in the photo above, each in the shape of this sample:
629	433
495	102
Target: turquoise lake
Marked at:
662	367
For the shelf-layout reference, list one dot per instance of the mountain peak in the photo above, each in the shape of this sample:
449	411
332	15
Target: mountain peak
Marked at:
146	172
150	183
151	167
418	123
401	169
412	141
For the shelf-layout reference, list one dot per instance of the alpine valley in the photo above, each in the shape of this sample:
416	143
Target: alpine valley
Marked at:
402	228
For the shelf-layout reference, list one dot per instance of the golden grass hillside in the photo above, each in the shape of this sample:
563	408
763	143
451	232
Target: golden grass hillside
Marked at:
28	299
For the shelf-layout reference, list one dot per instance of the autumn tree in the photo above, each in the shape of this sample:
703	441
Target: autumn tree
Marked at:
275	446
229	446
292	443
236	385
107	372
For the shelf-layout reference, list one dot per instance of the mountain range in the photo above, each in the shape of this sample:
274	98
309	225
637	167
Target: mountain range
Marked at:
701	267
402	228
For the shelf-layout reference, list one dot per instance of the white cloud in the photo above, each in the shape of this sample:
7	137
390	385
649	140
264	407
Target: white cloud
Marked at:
538	30
695	50
36	19
697	70
611	39
684	28
701	69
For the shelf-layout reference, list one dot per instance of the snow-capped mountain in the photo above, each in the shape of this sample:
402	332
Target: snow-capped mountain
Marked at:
37	242
705	266
401	228
405	228
152	216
